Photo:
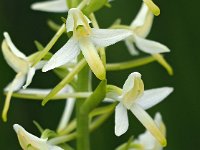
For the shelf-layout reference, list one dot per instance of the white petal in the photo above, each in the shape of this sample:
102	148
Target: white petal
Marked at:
148	123
121	120
146	140
18	64
149	46
132	89
40	65
15	85
69	106
106	37
131	48
76	18
143	22
153	96
27	139
19	81
92	57
30	75
64	55
12	47
35	91
129	83
158	120
51	6
109	100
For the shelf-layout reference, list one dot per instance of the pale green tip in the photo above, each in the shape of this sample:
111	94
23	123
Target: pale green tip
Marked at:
4	117
153	7
164	143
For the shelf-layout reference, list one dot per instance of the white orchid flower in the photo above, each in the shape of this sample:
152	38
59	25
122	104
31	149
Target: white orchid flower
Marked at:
147	141
141	27
56	6
134	98
69	105
21	64
87	40
30	141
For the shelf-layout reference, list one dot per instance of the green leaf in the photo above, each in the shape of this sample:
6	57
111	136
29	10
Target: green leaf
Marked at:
95	98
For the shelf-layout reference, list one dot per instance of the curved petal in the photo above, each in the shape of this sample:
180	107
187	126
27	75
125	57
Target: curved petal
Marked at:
29	78
143	22
12	47
131	48
51	6
149	46
121	120
16	84
19	81
69	106
132	89
148	123
35	91
106	37
18	64
92	58
40	65
76	18
64	55
27	139
153	96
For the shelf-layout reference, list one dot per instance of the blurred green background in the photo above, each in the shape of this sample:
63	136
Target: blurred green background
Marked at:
178	27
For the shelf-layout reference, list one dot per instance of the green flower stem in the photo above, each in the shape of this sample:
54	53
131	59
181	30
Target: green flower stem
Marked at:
83	142
83	110
130	64
94	125
54	26
70	127
65	81
50	45
57	97
161	60
83	4
100	120
96	112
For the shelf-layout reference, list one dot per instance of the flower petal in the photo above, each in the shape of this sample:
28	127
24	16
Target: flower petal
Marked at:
92	58
40	65
143	22
15	85
64	55
18	64
76	18
131	48
12	47
153	96
51	6
27	139
132	89
121	120
149	46
106	37
29	78
148	123
69	106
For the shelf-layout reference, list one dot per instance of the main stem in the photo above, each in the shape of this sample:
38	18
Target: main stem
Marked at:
83	83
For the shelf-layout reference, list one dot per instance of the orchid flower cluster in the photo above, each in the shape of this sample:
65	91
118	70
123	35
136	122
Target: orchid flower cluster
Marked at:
84	53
